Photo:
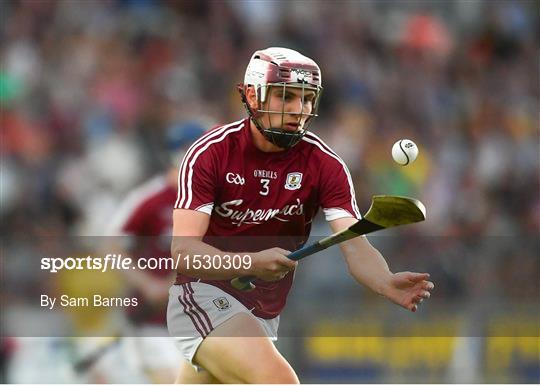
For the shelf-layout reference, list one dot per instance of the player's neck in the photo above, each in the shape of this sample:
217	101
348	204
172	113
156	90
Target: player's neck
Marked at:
260	142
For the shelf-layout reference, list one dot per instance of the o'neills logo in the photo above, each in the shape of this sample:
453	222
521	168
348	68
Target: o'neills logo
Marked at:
258	216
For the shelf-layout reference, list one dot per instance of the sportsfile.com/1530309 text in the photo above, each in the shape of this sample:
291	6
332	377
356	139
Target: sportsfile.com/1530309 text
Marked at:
114	261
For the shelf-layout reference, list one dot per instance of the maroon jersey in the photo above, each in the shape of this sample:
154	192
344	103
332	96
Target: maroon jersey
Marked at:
146	216
270	198
147	212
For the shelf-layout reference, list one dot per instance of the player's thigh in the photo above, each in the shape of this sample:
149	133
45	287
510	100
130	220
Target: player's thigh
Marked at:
238	351
188	375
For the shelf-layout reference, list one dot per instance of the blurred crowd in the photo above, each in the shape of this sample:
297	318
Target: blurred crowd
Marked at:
89	88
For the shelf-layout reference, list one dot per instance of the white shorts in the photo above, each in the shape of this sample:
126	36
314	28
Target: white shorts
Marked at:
195	309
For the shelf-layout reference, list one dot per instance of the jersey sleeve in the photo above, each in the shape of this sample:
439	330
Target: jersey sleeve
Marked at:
197	181
337	191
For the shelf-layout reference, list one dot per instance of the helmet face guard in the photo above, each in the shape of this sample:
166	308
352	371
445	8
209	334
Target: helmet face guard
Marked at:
261	116
281	68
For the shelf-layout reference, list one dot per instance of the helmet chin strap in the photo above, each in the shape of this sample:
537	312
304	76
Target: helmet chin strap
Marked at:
281	138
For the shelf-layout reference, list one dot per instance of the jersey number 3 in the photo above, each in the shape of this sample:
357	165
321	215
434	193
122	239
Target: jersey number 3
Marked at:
265	189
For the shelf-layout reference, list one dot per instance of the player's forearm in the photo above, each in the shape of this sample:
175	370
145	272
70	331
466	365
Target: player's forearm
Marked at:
203	261
367	265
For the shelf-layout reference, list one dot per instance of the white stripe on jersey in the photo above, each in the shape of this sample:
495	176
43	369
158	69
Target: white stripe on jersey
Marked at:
325	149
132	201
334	213
190	173
187	164
191	150
206	208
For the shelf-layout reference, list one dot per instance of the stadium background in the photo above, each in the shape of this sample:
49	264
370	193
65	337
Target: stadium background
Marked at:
88	89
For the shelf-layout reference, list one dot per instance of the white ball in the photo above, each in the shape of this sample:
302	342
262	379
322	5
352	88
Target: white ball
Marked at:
404	151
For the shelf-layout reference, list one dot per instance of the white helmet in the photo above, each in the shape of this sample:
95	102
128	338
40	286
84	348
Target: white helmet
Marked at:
281	67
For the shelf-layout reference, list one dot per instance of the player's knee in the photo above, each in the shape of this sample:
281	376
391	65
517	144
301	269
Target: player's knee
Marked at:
280	372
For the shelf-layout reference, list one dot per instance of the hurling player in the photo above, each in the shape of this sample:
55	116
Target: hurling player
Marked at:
252	188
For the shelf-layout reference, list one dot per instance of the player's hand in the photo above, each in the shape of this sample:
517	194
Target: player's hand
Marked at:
409	289
272	264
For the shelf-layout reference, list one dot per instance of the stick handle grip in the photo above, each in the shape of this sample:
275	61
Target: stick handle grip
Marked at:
306	251
246	283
